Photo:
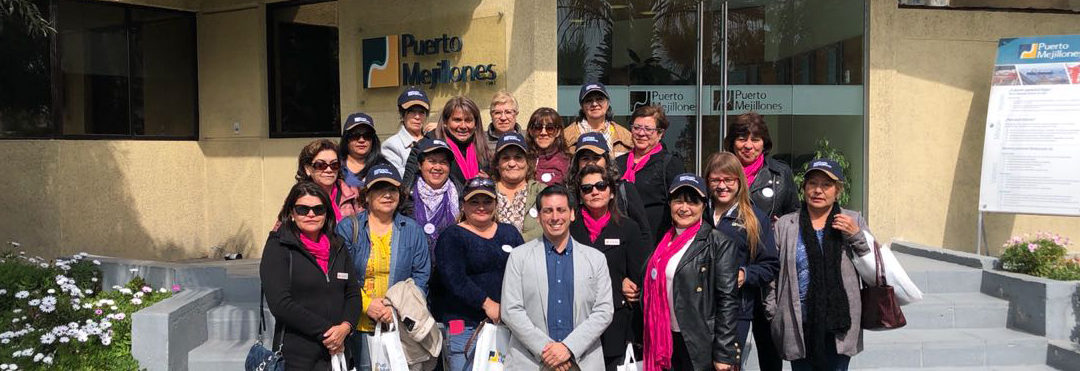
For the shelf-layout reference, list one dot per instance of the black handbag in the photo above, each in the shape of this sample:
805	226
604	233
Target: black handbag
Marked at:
259	357
880	310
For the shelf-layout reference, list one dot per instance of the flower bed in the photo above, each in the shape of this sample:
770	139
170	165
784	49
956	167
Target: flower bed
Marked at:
54	315
1041	255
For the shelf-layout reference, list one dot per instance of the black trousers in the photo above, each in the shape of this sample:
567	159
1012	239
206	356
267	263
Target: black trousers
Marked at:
680	355
767	355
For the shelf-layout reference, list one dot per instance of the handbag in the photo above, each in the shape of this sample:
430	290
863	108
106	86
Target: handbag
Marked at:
880	310
339	363
629	363
259	358
905	289
386	352
492	345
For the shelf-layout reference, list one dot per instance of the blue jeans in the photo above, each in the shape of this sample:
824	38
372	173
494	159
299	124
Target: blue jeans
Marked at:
457	356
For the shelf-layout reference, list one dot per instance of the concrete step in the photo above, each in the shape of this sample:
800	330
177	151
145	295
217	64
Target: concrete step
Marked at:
242	288
936	277
237	321
965	347
956	310
216	355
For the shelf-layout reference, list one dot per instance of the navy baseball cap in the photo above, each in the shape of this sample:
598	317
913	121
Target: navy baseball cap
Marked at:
479	186
413	96
592	141
510	139
383	173
689	180
827	166
592	87
358	118
428	145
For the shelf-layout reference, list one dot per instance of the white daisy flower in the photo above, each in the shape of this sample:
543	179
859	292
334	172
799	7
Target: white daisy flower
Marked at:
22	294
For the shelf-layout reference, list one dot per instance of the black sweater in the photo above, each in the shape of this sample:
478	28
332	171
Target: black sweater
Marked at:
305	301
653	181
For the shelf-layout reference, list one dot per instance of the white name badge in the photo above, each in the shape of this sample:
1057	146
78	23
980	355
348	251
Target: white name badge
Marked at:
532	212
611	241
767	192
546	177
342	276
429	228
507	248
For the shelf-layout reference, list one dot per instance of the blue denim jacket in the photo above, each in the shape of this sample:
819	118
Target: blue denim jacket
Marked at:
409	254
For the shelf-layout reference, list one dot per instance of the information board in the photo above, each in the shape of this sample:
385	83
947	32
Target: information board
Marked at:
1031	153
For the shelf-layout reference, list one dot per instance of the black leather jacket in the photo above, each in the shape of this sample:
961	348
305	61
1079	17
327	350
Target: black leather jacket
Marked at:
774	190
706	301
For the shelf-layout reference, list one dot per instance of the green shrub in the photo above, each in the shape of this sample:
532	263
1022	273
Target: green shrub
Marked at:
1042	255
825	150
54	315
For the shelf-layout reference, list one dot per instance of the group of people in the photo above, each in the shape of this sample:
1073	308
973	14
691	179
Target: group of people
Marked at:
581	238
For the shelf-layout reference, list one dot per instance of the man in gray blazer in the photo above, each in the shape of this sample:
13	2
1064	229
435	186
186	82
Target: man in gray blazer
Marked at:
556	295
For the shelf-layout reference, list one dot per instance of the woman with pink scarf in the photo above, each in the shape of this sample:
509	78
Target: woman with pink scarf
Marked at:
650	165
461	127
690	290
772	187
601	225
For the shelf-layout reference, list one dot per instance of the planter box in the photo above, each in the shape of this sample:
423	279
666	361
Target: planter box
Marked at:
1037	305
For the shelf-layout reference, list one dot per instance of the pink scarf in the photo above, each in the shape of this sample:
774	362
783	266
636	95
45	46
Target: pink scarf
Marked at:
467	163
658	346
333	203
632	168
321	250
594	226
752	170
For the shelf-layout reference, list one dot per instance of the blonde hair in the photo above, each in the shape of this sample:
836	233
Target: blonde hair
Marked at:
726	162
501	97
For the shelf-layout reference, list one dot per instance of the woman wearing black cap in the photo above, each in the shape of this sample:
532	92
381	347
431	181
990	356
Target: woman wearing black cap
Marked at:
433	201
591	149
516	190
595	116
650	166
817	277
690	289
386	248
413	108
599	224
359	148
461	127
468	280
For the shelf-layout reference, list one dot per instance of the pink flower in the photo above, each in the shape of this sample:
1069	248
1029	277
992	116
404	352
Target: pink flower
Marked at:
175	288
1032	247
98	312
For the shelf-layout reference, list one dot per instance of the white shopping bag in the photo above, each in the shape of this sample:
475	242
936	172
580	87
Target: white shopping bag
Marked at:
338	363
895	275
492	345
629	363
385	349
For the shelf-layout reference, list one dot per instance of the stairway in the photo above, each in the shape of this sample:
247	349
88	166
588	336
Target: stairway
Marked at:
233	325
954	327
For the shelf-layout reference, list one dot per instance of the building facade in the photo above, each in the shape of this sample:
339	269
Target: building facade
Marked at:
169	129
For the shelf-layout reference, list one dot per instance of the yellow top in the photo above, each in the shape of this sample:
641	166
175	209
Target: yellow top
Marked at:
376	277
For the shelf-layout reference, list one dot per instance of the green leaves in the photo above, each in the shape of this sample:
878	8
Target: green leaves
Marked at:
824	150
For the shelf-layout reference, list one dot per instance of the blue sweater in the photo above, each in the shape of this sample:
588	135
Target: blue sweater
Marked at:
470	270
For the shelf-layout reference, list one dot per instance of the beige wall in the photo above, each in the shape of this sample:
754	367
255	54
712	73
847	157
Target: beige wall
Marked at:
185	199
929	83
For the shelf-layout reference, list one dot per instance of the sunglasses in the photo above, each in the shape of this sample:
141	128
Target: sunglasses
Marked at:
322	165
544	128
600	186
319	210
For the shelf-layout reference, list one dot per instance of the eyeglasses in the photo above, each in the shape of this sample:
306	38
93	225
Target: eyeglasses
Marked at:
480	182
322	165
503	113
599	186
593	100
730	182
644	129
544	128
319	210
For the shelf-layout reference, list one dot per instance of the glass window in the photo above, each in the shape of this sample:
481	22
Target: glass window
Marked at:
25	78
304	86
127	71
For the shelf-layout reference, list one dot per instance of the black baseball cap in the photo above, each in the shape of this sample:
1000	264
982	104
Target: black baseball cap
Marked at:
510	139
428	145
827	166
592	141
592	87
478	186
413	96
689	180
358	118
383	173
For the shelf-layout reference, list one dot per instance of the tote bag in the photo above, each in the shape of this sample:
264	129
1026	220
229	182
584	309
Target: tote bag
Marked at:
386	352
629	363
904	288
492	345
